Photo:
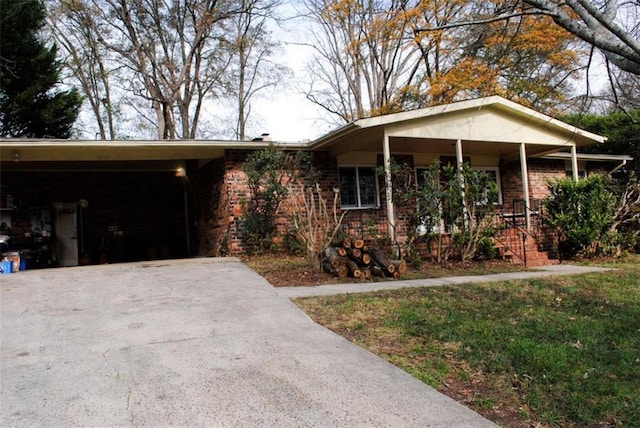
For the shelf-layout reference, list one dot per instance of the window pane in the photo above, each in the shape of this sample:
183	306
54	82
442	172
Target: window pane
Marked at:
367	180
348	189
492	177
420	176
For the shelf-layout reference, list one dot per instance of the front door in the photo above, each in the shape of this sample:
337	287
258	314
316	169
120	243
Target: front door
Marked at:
66	228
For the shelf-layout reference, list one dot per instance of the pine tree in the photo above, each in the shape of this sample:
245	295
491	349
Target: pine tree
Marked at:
30	104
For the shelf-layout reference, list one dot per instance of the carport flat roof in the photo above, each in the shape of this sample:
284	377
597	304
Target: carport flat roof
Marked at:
20	149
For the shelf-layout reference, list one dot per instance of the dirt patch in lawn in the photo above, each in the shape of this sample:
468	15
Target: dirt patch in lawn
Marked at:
282	270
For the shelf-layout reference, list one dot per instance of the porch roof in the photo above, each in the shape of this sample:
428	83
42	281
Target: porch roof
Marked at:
488	126
592	157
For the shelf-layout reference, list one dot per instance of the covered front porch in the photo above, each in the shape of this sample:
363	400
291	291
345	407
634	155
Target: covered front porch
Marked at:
507	141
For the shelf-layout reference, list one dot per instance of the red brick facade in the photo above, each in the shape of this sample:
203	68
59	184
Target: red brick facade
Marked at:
540	170
222	192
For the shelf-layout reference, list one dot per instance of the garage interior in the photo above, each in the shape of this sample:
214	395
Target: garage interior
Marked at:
75	213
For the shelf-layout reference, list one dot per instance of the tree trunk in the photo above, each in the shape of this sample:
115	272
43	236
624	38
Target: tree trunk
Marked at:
366	259
377	271
400	265
382	260
354	253
332	256
340	271
354	269
358	243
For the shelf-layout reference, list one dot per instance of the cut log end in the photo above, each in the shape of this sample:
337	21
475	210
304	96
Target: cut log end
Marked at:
400	266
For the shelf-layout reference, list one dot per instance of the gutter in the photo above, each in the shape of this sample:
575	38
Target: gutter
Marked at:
334	135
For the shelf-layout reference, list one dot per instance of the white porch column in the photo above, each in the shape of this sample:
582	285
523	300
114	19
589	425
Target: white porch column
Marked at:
524	171
574	162
386	154
460	164
459	158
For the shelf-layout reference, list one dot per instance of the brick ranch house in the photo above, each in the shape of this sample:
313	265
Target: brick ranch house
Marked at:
75	201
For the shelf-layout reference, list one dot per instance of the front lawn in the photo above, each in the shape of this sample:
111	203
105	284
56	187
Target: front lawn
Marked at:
560	351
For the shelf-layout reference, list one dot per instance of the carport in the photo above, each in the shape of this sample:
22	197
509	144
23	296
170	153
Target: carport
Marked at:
65	203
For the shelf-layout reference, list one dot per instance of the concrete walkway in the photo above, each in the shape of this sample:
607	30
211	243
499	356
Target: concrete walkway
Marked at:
199	342
332	289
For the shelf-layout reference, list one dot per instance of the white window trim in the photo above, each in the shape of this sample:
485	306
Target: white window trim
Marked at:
359	206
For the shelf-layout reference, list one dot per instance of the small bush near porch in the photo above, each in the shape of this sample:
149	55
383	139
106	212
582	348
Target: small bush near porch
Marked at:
561	351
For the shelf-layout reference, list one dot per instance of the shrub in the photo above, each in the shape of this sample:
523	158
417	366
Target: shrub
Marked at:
582	212
460	198
269	172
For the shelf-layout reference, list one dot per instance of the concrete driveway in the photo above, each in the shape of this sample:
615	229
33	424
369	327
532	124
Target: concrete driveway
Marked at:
199	342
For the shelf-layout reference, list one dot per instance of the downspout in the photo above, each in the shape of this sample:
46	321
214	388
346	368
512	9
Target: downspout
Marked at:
624	162
574	162
386	154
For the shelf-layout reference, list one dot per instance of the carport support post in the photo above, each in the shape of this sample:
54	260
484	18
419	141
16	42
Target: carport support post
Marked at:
524	171
186	216
574	163
386	154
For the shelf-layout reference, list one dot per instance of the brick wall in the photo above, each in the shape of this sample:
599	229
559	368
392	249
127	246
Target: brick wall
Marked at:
225	191
540	170
234	193
210	207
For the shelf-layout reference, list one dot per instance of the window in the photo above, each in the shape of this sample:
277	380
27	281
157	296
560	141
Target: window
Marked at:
358	187
582	173
494	176
492	172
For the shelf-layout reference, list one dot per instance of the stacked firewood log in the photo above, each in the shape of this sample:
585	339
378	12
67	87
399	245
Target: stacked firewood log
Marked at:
352	258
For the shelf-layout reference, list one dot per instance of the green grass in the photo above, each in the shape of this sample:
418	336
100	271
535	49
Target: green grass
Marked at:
560	351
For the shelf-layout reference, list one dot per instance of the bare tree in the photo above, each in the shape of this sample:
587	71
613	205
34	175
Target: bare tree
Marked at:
76	30
380	56
172	54
252	68
363	58
172	47
611	26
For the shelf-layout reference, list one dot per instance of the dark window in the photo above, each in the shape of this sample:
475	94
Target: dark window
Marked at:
492	172
358	187
494	176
